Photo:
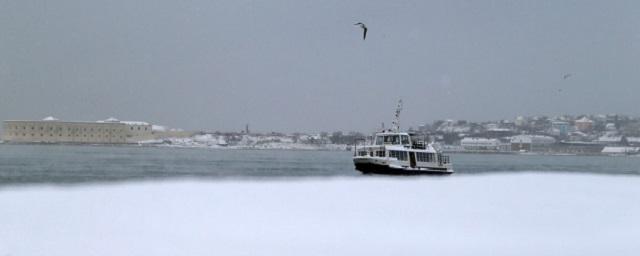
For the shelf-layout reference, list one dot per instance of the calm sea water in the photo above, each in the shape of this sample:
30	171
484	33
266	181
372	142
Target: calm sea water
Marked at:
62	164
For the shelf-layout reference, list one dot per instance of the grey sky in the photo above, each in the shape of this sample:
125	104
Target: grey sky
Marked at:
303	66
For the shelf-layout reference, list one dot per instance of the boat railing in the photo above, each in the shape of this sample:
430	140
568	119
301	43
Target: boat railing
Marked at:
356	150
378	151
442	159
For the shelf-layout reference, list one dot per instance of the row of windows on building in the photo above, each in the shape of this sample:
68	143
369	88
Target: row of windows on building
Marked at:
75	129
42	128
106	135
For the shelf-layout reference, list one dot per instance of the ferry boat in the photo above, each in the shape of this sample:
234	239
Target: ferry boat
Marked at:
400	153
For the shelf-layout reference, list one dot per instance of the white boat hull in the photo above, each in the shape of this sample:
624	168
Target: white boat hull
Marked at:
376	165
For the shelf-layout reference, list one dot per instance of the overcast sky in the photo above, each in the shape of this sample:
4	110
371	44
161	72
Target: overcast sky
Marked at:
303	66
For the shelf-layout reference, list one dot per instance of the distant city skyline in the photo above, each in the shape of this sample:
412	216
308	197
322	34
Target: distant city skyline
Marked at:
564	118
303	66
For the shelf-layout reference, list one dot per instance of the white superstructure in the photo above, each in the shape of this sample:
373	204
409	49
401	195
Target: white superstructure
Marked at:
398	153
395	152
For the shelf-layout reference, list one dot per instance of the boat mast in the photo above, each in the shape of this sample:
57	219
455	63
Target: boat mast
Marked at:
396	120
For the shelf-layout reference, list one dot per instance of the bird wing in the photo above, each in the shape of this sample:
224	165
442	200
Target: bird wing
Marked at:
365	34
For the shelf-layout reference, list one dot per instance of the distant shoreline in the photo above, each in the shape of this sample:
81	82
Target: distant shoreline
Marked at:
302	147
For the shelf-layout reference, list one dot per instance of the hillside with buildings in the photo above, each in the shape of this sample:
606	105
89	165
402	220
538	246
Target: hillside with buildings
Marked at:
112	131
584	134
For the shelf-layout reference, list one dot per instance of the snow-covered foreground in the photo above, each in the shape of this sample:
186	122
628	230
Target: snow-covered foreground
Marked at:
512	214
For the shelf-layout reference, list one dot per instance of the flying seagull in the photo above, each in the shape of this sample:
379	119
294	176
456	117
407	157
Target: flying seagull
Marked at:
565	76
364	28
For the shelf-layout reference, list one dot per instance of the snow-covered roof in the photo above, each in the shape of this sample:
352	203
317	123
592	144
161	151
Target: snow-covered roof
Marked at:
499	130
491	126
50	118
468	141
535	139
477	139
619	150
449	127
391	133
159	128
610	127
584	119
579	133
610	138
115	120
633	139
109	120
134	122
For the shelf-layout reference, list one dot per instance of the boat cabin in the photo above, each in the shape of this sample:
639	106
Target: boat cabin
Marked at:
395	152
388	138
398	139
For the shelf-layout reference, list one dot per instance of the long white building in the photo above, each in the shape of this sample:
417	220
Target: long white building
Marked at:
531	142
469	143
52	130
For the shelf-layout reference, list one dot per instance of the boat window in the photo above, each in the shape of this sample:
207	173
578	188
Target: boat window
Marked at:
421	157
378	140
425	157
405	140
392	139
400	155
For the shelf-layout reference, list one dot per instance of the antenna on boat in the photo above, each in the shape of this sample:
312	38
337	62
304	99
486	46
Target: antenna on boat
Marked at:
396	120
